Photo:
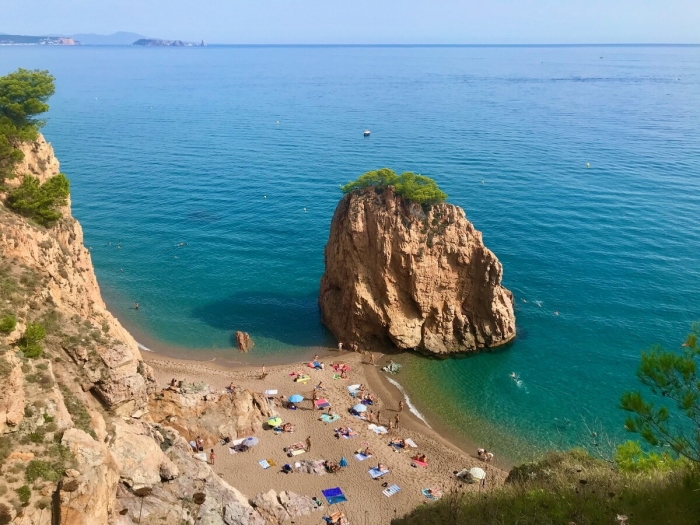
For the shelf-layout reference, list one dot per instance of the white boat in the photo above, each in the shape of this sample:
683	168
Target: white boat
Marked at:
366	133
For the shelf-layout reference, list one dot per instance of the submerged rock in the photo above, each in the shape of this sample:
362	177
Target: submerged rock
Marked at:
420	279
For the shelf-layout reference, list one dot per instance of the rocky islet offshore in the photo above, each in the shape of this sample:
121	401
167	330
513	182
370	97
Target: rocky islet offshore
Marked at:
399	274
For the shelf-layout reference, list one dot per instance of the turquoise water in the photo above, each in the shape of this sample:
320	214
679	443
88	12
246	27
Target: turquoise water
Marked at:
169	146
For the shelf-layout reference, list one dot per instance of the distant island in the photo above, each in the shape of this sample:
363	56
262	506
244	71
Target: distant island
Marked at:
120	38
25	40
155	42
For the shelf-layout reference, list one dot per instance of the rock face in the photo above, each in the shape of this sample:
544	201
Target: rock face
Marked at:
244	342
420	280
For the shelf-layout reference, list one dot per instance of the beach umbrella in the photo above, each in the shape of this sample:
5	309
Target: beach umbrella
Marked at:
250	441
359	408
296	398
343	462
274	421
477	473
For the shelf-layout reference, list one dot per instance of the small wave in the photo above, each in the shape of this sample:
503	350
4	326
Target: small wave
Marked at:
411	407
144	348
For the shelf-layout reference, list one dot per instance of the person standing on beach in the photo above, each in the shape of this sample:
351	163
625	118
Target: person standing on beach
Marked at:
379	413
400	406
211	457
371	358
340	346
308	444
371	416
396	419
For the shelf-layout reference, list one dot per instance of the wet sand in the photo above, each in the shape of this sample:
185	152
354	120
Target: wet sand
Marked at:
366	503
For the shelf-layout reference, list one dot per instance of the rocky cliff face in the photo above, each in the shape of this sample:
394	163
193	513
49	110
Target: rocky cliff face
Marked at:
77	443
421	280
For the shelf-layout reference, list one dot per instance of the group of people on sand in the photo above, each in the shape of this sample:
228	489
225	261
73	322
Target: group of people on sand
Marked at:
484	455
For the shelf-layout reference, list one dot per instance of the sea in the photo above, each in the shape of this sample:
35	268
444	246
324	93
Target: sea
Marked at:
205	180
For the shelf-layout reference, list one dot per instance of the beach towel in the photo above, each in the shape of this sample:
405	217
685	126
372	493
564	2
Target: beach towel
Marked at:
352	388
376	473
390	491
264	464
350	434
334	495
410	443
302	379
359	416
295	449
270	392
202	456
361	457
329	419
322	403
377	429
337	376
420	463
432	494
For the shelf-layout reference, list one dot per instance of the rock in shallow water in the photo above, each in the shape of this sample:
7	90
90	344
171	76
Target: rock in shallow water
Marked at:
420	279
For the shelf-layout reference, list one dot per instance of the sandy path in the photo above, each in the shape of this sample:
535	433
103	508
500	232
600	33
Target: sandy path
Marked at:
366	503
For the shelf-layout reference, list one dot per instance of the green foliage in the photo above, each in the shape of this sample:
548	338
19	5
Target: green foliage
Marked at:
570	487
47	470
30	343
77	410
673	379
23	95
8	323
25	494
630	457
40	202
417	188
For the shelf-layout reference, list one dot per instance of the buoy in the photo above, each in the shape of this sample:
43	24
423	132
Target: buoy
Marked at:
265	197
304	210
482	182
588	164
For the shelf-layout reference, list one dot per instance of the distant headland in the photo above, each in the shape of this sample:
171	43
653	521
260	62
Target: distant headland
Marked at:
25	40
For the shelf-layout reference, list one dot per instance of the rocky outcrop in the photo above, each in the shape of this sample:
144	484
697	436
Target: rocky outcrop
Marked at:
209	415
420	279
11	394
244	342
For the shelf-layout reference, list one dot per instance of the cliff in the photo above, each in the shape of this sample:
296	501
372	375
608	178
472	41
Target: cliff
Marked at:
77	443
398	275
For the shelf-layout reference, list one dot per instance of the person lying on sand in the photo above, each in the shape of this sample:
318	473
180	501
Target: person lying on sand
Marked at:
397	443
381	467
320	386
287	427
421	458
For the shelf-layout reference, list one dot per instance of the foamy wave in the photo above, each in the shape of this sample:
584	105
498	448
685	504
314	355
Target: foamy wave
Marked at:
411	407
144	348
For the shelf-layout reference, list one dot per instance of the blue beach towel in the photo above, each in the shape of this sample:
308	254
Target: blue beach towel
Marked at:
334	495
376	473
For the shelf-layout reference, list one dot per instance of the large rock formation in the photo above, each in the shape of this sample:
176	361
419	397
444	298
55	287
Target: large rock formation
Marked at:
399	275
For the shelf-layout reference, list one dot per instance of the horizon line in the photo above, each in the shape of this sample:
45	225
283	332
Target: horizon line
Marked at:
619	44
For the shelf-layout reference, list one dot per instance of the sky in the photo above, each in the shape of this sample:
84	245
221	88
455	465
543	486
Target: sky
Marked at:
365	21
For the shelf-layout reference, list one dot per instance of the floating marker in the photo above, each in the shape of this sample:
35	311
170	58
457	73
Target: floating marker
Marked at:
588	164
265	197
304	210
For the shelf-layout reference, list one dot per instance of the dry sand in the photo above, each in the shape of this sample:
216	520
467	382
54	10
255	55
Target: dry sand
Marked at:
366	504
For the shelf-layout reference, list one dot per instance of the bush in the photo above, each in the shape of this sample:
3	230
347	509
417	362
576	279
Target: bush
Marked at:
40	201
416	188
25	494
30	343
38	469
8	323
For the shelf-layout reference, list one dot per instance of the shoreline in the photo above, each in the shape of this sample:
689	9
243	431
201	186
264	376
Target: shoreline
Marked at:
388	389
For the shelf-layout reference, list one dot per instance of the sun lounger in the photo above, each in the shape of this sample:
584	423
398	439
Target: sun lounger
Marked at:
432	494
376	473
322	403
390	491
410	443
264	464
334	495
361	457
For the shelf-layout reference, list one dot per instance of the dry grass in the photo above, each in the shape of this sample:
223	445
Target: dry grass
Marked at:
572	487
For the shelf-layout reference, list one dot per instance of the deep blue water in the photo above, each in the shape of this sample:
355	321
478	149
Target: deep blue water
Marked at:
169	146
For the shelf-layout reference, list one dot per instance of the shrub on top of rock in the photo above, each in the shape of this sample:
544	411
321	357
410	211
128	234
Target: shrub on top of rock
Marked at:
30	343
417	188
8	324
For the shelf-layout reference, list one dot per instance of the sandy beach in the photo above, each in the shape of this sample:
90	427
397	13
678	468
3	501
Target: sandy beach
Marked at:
366	503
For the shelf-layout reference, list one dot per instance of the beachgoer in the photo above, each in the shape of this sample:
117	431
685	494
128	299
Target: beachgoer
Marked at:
320	386
136	306
315	358
381	467
488	456
362	387
344	374
391	424
193	444
371	416
211	457
396	420
263	374
308	444
379	413
367	452
400	406
200	444
371	358
480	453
314	396
340	346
